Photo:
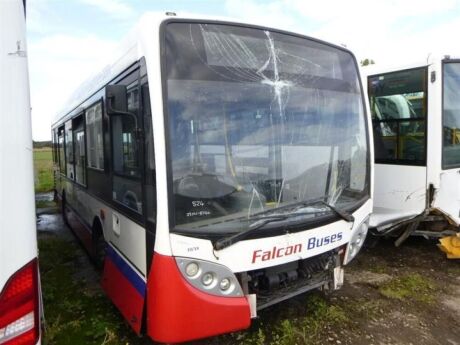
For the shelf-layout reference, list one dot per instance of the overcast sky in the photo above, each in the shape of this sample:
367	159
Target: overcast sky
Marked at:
70	39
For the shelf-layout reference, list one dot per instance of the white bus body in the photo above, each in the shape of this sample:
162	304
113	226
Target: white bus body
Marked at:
416	121
19	285
201	159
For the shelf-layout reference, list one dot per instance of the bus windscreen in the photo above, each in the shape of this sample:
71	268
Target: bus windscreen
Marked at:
259	120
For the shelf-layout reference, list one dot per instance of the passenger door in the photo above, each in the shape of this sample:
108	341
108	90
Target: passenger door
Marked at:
127	219
398	103
447	197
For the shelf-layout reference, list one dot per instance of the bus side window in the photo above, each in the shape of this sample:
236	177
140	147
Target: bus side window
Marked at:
127	187
451	116
61	150
54	145
398	108
69	149
80	151
94	137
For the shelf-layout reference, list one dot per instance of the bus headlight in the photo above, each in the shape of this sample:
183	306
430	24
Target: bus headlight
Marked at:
225	284
192	269
356	241
209	277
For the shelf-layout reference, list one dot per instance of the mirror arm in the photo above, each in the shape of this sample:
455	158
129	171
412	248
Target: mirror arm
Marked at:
110	110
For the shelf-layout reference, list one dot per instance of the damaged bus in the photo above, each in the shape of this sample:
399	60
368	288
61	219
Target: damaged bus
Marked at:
213	169
416	122
20	301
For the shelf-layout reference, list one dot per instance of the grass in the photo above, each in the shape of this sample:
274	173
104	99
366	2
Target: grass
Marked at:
43	163
410	286
308	327
74	313
379	268
45	203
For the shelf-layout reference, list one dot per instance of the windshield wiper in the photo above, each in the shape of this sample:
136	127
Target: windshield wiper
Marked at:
300	204
288	207
342	213
228	241
264	220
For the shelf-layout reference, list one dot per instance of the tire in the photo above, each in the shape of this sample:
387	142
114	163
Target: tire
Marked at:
63	211
371	241
99	247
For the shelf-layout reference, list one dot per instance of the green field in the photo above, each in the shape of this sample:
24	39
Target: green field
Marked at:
43	164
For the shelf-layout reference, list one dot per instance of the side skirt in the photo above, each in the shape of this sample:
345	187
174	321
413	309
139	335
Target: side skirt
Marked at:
125	288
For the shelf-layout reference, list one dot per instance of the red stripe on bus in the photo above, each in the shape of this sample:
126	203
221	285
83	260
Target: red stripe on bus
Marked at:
123	294
177	311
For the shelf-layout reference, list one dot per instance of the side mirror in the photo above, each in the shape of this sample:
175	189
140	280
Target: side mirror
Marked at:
116	103
116	99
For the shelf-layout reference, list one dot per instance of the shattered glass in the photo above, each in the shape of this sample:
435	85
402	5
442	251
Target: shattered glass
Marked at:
259	119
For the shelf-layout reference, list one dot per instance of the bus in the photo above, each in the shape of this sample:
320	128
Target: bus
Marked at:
416	125
213	169
20	303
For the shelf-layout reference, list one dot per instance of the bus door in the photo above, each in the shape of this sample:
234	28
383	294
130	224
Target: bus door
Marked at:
125	268
447	198
398	103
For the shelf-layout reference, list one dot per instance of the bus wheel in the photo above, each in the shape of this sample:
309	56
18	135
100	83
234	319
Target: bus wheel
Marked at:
99	247
63	210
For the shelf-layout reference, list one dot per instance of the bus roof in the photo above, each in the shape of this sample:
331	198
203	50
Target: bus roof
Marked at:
393	67
132	49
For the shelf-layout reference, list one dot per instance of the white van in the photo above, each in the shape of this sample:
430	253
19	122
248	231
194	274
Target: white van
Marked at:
19	282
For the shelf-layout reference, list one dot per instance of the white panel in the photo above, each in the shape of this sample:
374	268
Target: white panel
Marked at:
434	125
17	205
447	197
130	241
399	191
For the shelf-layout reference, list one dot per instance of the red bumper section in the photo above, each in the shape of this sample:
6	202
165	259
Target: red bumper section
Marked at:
178	312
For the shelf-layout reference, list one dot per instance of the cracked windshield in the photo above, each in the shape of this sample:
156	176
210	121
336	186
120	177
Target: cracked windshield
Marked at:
260	120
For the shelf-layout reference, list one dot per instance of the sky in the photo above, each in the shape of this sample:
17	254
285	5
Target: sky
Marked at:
68	40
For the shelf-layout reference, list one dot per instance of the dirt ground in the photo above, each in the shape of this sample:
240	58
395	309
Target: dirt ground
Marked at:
413	293
406	295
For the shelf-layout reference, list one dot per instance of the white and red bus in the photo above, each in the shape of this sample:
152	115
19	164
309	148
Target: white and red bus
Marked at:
19	283
213	169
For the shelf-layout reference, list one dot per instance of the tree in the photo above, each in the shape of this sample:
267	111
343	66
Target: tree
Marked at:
367	62
41	144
